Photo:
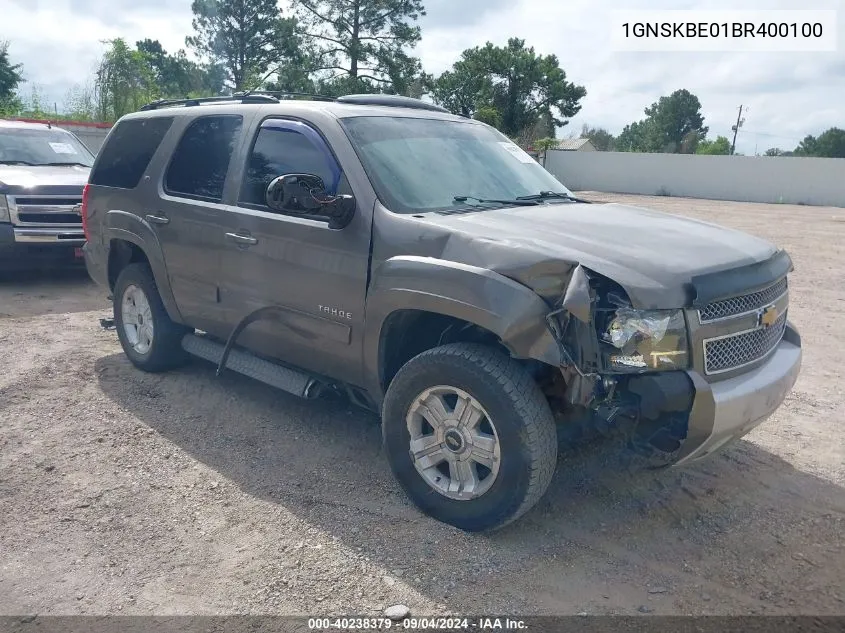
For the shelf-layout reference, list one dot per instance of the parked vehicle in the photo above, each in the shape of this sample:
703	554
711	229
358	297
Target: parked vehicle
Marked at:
429	268
42	172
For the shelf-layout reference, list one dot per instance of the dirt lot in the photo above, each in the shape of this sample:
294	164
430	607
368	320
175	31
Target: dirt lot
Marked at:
184	493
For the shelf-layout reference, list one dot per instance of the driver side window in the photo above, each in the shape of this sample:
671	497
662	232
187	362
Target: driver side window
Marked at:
286	147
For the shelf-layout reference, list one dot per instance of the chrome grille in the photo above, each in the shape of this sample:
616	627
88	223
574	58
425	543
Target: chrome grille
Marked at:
742	304
734	351
34	211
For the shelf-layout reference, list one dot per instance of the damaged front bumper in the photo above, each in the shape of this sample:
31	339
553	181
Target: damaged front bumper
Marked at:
728	409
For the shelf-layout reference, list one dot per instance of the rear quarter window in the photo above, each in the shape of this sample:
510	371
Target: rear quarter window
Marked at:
128	151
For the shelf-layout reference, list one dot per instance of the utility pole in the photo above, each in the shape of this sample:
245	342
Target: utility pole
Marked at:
735	128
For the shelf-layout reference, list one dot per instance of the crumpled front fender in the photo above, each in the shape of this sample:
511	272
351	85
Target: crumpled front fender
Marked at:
510	310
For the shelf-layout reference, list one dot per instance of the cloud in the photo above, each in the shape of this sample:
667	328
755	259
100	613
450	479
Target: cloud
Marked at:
789	95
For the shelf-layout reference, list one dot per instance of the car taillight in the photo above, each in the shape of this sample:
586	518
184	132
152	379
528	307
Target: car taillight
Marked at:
83	211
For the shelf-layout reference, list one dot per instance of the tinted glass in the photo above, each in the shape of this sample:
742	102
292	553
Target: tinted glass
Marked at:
419	165
33	146
278	152
128	151
199	164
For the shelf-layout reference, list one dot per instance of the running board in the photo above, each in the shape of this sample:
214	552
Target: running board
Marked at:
243	362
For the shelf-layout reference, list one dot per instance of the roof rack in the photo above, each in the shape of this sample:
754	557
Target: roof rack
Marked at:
243	98
396	101
273	96
284	95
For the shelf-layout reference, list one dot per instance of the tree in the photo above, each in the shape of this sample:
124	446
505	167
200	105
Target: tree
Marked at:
601	139
829	144
10	79
245	37
80	103
488	115
721	146
465	92
774	151
521	85
178	76
543	145
674	124
361	45
124	82
633	137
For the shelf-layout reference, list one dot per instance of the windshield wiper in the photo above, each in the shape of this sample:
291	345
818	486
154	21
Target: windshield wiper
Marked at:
554	195
16	162
517	202
61	164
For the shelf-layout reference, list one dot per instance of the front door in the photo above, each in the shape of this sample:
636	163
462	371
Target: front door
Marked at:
313	277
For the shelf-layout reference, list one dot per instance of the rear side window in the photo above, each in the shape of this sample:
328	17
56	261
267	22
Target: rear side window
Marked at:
128	152
201	160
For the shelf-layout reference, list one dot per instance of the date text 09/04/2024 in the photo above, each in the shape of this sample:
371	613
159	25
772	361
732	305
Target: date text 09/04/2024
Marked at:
416	624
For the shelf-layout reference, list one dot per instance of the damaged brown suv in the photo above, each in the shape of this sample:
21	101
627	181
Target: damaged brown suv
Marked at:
428	268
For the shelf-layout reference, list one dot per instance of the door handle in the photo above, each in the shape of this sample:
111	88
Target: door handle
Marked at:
246	240
157	219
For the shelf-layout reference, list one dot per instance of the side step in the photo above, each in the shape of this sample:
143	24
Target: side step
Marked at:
242	362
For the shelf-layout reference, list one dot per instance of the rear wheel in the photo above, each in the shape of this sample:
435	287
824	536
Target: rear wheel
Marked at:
151	340
469	436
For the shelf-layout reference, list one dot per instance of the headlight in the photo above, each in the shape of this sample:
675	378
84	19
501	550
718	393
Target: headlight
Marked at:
646	340
4	209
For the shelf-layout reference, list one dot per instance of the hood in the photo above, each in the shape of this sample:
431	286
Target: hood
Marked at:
25	179
653	255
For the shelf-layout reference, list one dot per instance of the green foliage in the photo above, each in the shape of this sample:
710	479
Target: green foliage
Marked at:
721	146
488	115
464	91
244	37
673	124
601	139
520	84
125	81
177	76
361	45
543	145
633	137
829	144
774	151
10	78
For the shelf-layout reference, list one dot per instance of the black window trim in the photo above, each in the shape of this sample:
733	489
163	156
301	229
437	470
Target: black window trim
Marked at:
263	208
166	170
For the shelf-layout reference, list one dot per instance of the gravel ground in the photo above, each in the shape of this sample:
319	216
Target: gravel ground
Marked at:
130	493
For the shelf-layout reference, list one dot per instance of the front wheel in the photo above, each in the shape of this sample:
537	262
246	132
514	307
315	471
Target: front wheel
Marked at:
469	435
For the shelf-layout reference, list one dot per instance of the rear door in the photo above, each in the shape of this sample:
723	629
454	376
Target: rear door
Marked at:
189	213
314	277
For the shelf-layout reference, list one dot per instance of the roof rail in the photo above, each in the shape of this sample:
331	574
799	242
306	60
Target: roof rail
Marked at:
282	94
273	96
396	101
243	98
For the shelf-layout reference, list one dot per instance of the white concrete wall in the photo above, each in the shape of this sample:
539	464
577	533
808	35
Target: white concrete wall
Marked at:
93	137
814	181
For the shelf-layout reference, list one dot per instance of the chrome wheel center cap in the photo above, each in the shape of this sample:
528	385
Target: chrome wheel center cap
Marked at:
454	441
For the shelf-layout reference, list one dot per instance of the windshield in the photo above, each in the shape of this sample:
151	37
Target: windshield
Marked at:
419	165
20	146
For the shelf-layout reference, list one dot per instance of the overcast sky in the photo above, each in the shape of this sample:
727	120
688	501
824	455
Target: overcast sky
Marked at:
789	95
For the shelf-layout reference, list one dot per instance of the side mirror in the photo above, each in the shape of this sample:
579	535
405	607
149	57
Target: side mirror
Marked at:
306	194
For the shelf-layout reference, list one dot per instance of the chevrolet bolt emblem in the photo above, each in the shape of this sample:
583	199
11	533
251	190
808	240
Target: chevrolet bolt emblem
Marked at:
768	317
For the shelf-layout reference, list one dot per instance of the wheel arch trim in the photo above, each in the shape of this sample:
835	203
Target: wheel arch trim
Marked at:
121	225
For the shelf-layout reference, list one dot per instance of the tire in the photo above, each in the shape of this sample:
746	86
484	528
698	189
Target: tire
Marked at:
159	348
514	414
